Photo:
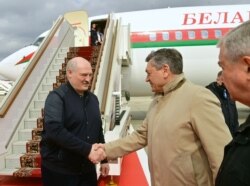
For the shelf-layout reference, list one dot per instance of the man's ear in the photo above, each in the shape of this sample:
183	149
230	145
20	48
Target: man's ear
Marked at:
246	60
68	72
166	68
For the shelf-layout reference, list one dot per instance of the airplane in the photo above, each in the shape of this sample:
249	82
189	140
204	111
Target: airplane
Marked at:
193	31
13	65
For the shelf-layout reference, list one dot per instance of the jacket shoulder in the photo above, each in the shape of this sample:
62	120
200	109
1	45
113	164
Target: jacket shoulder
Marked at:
93	97
61	91
195	88
199	92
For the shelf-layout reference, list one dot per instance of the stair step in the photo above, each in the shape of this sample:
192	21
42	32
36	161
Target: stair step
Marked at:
12	161
25	134
29	134
19	147
64	50
59	60
34	113
38	104
50	80
53	73
84	48
56	66
42	95
30	146
7	172
37	134
39	122
32	160
61	55
33	146
28	172
30	123
48	87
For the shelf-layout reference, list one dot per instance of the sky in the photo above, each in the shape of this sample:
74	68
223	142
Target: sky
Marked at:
22	21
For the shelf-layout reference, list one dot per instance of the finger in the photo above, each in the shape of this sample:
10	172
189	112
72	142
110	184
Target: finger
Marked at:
101	146
95	146
105	171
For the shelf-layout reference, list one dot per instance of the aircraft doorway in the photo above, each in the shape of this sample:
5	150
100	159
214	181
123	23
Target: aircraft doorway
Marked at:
97	32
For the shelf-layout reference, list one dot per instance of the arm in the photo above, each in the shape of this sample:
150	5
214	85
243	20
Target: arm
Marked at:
130	143
209	124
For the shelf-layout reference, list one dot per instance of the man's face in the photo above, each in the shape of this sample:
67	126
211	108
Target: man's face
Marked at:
234	75
94	26
81	77
155	78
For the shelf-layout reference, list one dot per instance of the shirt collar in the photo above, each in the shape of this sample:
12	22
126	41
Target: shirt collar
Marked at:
175	83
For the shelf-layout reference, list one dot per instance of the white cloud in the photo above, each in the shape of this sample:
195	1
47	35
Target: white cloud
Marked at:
22	21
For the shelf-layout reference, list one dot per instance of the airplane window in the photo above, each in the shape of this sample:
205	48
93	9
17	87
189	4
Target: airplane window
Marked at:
204	34
218	33
178	35
165	35
38	41
191	34
152	36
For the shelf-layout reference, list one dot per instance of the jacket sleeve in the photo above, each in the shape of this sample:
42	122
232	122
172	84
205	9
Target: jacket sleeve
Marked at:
209	124
130	143
54	127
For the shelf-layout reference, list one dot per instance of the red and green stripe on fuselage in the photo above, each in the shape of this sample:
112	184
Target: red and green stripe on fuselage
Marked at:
175	38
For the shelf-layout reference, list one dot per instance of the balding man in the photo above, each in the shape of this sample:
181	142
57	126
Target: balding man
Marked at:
234	59
72	123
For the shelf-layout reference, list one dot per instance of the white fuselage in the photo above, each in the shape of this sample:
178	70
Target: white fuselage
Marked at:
13	65
193	31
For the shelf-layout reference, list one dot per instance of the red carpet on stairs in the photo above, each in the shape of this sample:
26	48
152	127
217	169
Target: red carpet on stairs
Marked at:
13	181
132	175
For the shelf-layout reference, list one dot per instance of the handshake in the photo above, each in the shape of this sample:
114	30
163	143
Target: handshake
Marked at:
97	153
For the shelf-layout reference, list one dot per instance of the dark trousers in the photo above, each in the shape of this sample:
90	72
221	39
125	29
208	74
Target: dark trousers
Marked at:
51	178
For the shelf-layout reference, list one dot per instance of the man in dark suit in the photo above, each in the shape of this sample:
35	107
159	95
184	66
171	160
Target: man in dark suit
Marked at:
234	59
72	124
228	106
94	37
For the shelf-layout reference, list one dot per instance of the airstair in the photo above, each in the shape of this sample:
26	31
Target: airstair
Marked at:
21	114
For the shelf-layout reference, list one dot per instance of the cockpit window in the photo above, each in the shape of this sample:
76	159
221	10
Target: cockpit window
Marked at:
38	41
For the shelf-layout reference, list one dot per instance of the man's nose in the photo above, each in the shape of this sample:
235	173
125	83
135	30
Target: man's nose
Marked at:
88	78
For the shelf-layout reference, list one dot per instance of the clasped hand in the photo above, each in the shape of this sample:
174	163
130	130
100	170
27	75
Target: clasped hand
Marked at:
97	153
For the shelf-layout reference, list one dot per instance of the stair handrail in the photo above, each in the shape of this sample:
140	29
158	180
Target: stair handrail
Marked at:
94	80
34	60
53	32
111	57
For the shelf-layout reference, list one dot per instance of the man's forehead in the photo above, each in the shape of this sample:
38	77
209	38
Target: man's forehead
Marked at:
149	66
